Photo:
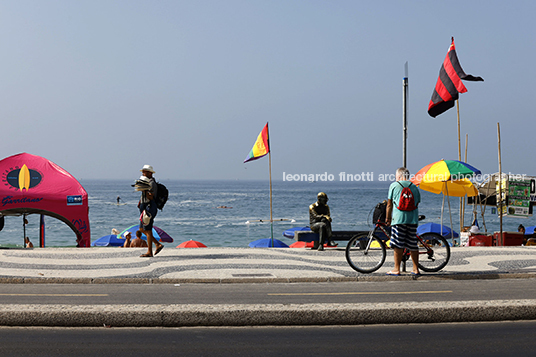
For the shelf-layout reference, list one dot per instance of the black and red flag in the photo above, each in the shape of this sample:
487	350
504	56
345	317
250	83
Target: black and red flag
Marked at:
449	83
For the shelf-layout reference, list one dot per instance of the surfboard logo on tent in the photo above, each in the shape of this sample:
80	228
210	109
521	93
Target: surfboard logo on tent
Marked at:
22	178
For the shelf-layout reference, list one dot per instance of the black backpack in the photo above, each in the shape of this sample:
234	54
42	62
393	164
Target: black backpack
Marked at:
380	212
161	196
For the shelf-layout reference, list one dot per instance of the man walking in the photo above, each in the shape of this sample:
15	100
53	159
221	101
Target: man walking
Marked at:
148	209
403	216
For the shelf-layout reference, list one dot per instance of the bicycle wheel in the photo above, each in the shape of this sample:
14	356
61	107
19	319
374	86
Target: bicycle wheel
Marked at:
435	255
365	255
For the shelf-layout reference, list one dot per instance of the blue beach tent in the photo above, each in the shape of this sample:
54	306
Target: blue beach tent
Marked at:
289	233
110	240
436	228
267	243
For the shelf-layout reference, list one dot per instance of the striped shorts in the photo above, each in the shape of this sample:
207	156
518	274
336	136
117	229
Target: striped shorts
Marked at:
404	236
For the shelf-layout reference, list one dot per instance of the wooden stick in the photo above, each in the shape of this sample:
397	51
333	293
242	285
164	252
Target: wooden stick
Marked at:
460	159
500	181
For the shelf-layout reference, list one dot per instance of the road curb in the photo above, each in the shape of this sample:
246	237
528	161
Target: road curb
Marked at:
265	315
264	280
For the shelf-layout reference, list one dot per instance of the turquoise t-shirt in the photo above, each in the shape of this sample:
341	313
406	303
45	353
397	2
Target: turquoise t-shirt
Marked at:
403	217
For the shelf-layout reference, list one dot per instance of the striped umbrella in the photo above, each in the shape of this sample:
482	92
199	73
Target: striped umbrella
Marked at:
445	170
450	177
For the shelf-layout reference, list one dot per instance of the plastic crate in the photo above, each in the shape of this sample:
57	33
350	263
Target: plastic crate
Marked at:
480	241
508	238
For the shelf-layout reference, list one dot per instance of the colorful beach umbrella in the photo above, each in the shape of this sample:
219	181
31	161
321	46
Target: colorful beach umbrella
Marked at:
445	170
158	233
450	177
458	188
191	244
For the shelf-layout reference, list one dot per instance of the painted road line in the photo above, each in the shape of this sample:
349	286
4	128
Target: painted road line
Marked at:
63	295
364	293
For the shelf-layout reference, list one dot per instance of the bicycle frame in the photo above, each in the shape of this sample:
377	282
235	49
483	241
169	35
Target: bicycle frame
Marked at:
366	258
382	225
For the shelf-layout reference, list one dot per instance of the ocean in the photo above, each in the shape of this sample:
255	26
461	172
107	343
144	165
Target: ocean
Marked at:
191	211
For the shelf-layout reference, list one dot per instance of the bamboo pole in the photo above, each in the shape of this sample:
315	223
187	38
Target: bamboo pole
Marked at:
500	182
464	199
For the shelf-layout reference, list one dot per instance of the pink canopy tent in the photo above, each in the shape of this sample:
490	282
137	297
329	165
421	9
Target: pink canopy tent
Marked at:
34	185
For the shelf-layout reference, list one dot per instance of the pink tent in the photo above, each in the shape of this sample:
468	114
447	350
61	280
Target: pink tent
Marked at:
34	185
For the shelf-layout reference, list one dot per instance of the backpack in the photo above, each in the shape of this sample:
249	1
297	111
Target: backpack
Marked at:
162	194
379	212
407	201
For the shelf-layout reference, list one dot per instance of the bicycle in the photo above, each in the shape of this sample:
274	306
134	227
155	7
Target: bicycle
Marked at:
366	252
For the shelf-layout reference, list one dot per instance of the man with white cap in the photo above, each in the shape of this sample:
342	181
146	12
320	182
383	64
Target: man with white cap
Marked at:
148	210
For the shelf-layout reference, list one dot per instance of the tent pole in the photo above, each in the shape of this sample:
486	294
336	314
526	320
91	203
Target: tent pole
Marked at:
463	199
42	231
24	230
450	215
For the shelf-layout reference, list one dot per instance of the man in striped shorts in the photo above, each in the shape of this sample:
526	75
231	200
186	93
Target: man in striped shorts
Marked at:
403	221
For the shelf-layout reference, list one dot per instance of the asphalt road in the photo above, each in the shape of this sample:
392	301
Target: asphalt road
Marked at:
294	293
460	339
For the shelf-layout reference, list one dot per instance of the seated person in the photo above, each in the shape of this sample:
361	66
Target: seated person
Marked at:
138	242
521	229
127	236
27	243
320	220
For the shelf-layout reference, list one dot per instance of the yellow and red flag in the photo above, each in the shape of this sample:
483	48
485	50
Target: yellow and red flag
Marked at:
261	146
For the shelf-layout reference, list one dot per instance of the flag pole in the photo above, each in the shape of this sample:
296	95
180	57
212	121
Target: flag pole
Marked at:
405	116
271	217
460	159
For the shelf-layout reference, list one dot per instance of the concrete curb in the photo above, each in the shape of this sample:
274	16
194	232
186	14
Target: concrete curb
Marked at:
265	315
264	280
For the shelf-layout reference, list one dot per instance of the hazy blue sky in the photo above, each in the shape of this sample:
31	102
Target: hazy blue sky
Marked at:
103	87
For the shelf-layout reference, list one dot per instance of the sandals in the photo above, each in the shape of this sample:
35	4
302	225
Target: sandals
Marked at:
392	273
147	255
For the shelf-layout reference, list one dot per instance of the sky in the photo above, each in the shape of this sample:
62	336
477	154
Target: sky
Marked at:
103	87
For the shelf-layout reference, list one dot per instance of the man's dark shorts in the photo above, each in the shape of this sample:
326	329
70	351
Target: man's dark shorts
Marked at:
152	210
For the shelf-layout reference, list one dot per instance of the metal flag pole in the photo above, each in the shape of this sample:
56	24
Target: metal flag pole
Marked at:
405	116
271	216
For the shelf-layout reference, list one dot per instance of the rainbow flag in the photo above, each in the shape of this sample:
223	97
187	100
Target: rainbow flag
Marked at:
261	146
